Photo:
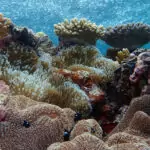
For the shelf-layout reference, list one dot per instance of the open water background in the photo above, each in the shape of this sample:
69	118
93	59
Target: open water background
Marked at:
41	15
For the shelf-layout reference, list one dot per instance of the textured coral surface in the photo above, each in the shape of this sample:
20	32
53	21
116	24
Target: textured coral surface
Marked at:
32	125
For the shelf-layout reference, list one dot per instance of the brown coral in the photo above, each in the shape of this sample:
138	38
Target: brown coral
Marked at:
37	124
132	132
89	125
4	26
20	56
130	36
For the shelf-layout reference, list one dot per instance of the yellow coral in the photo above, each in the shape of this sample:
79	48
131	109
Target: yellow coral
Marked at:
121	55
81	30
4	26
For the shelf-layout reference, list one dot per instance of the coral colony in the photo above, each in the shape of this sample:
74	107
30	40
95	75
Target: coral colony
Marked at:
69	96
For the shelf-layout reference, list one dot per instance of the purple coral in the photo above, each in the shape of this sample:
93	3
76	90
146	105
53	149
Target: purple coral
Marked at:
142	65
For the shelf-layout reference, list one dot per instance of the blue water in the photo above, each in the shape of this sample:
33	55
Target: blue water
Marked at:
41	15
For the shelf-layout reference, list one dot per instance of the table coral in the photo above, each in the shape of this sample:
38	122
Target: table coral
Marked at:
47	124
129	36
81	31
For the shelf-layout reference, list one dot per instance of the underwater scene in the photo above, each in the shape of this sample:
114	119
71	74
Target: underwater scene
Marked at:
74	75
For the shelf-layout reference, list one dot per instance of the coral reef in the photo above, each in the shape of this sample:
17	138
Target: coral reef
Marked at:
133	135
70	92
129	36
82	32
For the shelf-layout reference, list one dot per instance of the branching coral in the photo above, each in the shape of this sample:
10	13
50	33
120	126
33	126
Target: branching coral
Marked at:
130	36
79	31
76	55
4	26
38	124
121	55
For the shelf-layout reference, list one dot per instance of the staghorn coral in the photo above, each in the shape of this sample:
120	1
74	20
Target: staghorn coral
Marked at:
76	55
82	32
129	36
37	124
4	26
123	54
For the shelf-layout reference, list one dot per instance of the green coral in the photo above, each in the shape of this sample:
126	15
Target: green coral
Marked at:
123	54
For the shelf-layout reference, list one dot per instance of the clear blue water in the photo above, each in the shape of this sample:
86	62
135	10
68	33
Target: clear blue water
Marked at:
41	15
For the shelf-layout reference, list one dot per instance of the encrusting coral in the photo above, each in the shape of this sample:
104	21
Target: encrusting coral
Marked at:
89	125
129	36
38	124
134	135
81	31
